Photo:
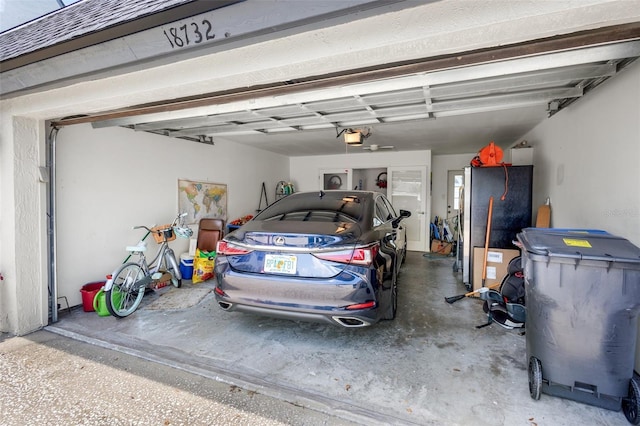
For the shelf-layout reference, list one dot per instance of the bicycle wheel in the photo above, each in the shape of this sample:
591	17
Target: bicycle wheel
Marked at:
125	297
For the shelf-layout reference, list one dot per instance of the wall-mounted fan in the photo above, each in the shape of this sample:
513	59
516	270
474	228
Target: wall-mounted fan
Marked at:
374	147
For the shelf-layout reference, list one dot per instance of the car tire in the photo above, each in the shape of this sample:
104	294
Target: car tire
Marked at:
392	306
404	250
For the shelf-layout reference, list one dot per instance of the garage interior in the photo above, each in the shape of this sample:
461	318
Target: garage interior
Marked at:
429	366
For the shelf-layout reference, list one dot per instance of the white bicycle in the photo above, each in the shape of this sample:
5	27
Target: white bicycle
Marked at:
127	285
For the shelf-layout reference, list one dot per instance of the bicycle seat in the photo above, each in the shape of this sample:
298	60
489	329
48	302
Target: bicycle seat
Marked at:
142	246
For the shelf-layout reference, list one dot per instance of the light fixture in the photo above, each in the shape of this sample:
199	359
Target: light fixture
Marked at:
353	137
205	139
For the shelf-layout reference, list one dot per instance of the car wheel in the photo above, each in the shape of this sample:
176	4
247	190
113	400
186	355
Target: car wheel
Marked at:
404	250
392	306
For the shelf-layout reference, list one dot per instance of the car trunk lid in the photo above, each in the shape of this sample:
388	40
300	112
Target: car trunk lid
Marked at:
300	249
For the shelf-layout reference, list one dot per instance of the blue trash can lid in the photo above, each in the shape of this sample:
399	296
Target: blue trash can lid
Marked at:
579	244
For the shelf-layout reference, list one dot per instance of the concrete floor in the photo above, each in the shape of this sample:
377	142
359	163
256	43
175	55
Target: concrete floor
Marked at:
430	366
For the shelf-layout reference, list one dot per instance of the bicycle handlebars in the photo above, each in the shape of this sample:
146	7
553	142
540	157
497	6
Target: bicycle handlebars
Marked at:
158	231
143	227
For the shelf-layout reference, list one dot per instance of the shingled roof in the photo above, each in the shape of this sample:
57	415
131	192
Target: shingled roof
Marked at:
77	20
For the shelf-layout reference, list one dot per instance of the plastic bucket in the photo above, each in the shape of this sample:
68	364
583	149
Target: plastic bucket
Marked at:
100	302
88	292
186	266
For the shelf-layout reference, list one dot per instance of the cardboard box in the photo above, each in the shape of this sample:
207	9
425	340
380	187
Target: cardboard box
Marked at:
441	247
497	263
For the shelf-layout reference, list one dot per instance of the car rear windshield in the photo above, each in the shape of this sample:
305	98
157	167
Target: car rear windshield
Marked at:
311	207
313	216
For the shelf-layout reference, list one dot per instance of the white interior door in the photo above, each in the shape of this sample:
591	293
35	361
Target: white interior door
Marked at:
455	184
408	190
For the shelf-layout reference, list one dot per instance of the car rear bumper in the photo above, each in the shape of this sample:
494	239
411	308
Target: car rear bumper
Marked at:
344	319
301	299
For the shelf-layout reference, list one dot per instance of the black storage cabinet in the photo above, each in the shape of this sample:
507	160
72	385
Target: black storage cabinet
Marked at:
510	215
583	298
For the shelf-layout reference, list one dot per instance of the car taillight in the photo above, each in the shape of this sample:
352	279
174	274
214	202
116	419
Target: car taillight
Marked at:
366	305
359	256
229	249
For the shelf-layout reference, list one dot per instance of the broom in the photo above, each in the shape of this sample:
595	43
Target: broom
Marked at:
453	299
484	264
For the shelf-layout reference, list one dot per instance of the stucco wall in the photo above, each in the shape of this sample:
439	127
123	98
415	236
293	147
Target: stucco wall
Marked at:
426	30
22	297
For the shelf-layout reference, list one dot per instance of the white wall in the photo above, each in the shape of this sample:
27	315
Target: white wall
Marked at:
587	159
109	180
305	172
368	178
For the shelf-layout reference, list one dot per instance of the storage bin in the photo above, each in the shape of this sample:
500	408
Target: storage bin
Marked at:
583	298
186	266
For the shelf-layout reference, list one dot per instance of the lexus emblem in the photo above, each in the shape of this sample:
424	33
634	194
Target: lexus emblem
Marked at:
279	241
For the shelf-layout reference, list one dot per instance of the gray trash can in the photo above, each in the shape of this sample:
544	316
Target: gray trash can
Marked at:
582	291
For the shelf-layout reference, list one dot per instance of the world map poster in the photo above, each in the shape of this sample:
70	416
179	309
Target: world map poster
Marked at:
202	200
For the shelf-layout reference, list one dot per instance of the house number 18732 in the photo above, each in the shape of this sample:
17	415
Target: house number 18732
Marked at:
191	33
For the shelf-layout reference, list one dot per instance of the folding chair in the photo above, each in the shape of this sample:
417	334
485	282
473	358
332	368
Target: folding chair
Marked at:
210	231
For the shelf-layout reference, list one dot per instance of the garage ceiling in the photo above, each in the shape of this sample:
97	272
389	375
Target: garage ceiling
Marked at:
449	111
419	97
450	104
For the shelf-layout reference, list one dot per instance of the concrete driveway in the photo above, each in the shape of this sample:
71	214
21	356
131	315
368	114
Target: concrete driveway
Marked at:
429	366
49	379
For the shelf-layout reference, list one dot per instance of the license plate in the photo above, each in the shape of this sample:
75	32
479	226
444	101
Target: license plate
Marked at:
280	264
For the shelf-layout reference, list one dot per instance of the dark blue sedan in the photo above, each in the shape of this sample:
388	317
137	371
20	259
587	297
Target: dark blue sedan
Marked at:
324	256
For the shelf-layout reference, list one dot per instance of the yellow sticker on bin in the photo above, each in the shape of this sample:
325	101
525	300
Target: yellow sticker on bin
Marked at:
576	243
